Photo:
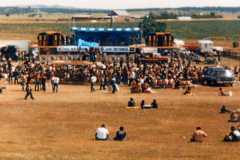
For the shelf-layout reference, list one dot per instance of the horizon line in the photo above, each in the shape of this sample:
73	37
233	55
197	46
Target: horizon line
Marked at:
74	7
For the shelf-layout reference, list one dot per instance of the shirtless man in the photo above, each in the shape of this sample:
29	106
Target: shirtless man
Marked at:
198	135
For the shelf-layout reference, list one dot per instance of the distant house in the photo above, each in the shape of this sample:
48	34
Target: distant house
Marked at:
184	18
88	17
119	13
121	16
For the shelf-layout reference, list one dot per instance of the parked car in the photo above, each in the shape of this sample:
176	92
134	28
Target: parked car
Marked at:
217	76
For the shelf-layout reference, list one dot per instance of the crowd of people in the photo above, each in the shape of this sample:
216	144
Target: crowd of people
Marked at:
28	74
140	77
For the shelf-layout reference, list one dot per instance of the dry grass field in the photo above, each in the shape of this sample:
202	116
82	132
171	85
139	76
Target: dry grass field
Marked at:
22	27
62	126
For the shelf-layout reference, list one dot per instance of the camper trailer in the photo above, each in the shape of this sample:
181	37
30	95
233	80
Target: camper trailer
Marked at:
206	46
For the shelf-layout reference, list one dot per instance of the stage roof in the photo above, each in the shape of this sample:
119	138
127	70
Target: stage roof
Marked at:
100	29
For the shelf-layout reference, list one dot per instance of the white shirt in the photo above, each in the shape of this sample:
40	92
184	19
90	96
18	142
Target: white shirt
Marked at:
236	133
93	79
102	133
55	80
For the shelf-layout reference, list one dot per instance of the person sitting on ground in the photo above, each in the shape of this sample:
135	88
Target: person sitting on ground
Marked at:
102	133
234	117
154	104
224	109
134	87
131	103
222	93
142	104
233	136
188	91
146	88
198	135
120	134
148	106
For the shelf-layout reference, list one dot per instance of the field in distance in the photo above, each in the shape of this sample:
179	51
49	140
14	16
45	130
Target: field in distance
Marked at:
27	28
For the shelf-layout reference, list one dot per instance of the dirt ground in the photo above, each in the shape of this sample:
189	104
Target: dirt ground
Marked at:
62	126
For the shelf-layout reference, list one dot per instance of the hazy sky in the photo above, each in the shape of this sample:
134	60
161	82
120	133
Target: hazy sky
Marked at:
123	3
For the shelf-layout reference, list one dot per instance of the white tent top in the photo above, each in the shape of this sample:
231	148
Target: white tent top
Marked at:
218	48
205	42
179	42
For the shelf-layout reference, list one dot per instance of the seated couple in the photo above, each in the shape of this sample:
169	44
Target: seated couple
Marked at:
102	134
154	104
132	103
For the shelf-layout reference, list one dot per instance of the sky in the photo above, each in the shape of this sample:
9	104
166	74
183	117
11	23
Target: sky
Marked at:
123	4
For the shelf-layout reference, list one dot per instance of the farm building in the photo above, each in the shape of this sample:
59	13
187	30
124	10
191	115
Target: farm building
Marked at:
184	18
92	18
122	16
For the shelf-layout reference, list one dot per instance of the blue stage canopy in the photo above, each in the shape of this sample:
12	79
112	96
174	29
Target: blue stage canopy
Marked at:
108	36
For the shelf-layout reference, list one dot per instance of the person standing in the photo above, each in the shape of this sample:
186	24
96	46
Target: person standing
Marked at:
44	79
55	84
37	82
103	82
93	80
23	82
114	85
29	93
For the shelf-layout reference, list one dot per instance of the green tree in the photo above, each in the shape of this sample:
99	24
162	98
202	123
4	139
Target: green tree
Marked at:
150	25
